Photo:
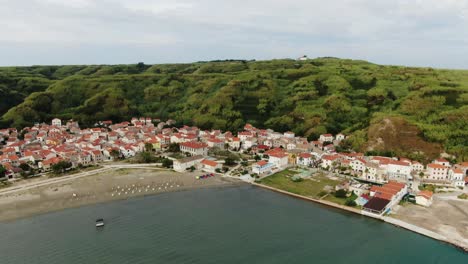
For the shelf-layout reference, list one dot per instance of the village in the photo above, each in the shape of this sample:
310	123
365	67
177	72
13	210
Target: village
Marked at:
377	183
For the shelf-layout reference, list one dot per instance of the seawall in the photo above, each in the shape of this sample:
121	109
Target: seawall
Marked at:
393	221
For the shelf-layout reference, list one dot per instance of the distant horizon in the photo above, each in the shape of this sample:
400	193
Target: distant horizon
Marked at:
231	59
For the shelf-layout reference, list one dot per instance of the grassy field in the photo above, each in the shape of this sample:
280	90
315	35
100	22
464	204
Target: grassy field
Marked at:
308	187
332	198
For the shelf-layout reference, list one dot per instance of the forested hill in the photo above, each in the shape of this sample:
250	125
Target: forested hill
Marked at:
405	110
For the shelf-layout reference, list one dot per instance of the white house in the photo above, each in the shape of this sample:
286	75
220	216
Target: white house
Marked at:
279	159
234	143
399	170
456	176
262	167
210	165
304	159
340	137
289	134
437	172
215	142
181	165
249	142
371	172
56	122
416	166
194	148
127	151
326	138
358	165
442	162
424	198
329	160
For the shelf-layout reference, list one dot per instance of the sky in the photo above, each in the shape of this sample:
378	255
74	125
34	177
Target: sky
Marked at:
431	33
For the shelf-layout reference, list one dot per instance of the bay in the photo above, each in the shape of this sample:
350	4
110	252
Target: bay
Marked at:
242	224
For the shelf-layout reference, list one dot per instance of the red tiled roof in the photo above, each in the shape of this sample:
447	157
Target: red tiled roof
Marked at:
263	147
278	155
386	196
194	145
399	163
215	140
436	166
262	163
209	163
305	155
426	194
330	157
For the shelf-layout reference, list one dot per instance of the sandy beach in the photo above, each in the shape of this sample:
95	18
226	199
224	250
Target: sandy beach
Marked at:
109	185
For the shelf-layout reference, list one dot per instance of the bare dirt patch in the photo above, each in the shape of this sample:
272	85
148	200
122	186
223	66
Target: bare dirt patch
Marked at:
448	217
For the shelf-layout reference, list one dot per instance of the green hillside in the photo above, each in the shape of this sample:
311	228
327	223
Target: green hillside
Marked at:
373	103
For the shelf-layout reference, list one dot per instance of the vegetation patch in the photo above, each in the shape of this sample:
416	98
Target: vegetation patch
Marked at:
284	180
424	108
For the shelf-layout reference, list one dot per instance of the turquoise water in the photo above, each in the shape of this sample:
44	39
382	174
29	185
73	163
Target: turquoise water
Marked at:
221	225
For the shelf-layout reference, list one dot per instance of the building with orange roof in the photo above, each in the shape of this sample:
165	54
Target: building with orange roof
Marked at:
437	172
391	191
263	168
194	148
279	158
424	198
457	177
442	162
210	165
304	159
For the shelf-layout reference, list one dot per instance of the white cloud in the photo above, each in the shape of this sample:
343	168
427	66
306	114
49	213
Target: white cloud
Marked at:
260	28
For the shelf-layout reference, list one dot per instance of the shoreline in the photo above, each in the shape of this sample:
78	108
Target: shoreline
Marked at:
116	184
385	219
104	186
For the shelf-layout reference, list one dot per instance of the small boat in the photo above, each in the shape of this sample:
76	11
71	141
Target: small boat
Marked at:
99	222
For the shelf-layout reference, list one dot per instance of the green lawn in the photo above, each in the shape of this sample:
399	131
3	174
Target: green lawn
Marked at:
332	198
308	187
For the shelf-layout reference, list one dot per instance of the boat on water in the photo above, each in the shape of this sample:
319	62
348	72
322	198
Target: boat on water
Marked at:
100	222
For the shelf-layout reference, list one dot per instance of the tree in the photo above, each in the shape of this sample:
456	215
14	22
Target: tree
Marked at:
341	193
2	171
61	166
350	202
257	158
146	157
174	147
25	166
167	163
148	147
115	154
229	161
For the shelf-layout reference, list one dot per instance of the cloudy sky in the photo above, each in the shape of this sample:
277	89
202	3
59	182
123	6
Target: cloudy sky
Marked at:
404	32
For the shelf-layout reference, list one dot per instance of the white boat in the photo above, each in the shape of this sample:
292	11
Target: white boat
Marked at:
99	222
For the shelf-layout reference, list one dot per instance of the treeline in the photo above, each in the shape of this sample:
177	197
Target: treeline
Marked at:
308	97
